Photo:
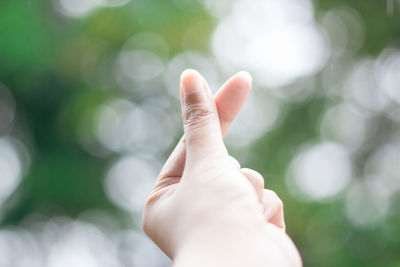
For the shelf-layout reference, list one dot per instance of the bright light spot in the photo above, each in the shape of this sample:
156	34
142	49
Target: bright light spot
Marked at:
19	248
140	65
119	124
80	8
365	205
123	126
299	91
263	116
337	30
61	242
141	59
77	8
390	74
277	41
341	124
10	167
139	251
346	30
81	245
393	113
148	41
218	8
130	180
320	172
384	165
362	88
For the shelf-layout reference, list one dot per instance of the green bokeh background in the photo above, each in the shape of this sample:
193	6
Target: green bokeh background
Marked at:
41	54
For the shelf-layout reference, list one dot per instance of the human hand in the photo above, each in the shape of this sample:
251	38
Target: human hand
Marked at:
204	209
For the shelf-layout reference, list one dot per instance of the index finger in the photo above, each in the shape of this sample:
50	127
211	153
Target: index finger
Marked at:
229	100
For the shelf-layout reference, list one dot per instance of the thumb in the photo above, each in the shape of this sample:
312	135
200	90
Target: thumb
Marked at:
200	118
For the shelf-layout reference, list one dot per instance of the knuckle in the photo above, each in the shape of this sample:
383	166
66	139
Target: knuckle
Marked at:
274	198
260	179
254	175
280	203
197	114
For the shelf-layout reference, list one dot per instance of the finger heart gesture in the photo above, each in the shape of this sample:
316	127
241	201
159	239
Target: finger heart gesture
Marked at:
203	201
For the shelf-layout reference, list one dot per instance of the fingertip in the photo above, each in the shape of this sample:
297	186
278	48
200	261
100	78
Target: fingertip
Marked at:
256	179
235	88
189	72
246	78
191	82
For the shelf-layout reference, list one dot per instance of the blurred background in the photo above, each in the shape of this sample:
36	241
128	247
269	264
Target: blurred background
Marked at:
89	111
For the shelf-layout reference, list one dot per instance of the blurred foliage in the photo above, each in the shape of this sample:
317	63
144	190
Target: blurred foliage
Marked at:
55	67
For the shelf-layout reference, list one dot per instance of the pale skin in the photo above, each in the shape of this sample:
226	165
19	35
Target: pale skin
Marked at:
205	210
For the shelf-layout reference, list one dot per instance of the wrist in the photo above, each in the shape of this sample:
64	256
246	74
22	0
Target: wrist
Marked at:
264	246
216	246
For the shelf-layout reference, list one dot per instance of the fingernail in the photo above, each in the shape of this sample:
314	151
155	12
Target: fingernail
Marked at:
191	82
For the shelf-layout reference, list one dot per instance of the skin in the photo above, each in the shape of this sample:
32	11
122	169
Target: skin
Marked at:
205	210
